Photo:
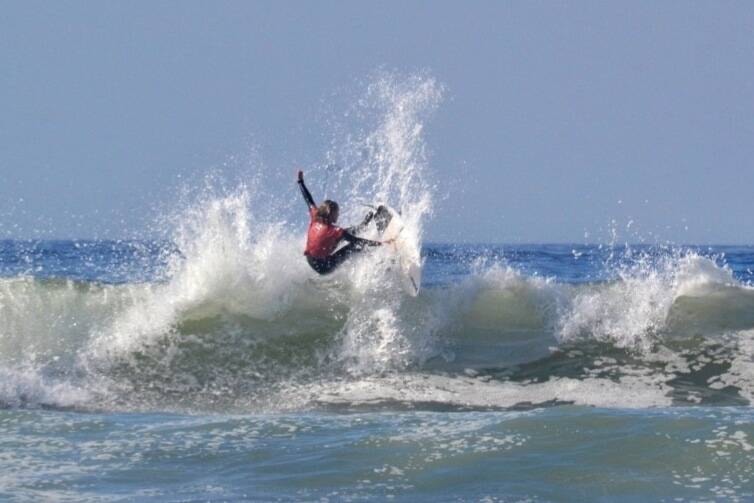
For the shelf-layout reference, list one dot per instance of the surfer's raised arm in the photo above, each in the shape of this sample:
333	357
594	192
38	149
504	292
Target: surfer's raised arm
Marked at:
305	192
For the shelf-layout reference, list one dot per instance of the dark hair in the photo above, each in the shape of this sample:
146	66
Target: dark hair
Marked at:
325	211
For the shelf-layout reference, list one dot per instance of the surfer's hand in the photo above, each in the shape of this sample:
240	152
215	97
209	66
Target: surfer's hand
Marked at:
388	241
300	176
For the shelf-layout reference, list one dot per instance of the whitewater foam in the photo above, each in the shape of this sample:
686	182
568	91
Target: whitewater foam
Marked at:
466	392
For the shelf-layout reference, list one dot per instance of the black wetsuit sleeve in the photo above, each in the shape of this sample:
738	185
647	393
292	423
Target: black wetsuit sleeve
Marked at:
358	228
307	195
359	241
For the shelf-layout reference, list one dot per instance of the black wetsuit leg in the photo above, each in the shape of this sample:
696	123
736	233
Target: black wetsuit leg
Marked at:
329	264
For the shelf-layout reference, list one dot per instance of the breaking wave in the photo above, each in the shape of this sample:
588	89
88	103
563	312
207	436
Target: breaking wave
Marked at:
240	325
237	319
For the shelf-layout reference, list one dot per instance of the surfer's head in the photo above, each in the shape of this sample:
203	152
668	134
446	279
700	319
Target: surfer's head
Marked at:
327	212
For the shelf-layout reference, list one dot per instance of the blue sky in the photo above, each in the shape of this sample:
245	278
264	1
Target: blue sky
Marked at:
559	118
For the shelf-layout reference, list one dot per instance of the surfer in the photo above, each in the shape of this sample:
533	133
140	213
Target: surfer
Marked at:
324	236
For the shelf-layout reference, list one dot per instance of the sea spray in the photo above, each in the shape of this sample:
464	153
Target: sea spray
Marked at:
236	285
387	164
635	309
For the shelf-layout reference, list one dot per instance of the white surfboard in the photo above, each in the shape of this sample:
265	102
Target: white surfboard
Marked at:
409	258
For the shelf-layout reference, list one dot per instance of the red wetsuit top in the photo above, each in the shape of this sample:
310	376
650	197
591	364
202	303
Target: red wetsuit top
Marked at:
321	239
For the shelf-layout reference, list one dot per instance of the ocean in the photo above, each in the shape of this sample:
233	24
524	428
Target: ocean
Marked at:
209	363
519	373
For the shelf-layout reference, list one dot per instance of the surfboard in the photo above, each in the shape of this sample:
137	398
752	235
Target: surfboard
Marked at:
390	225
